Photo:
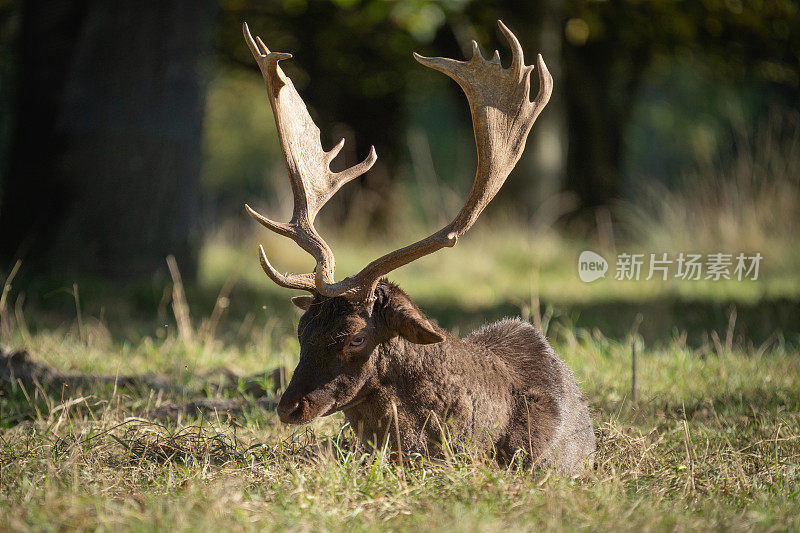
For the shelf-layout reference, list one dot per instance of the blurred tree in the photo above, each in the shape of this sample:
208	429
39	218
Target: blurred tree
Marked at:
356	51
9	22
106	149
104	165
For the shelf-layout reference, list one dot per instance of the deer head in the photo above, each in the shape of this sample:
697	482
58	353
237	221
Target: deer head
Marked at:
345	321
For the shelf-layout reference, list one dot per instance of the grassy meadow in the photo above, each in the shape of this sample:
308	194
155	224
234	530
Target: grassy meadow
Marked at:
710	441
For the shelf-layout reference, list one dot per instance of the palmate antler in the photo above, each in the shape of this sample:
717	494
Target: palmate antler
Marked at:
502	117
313	182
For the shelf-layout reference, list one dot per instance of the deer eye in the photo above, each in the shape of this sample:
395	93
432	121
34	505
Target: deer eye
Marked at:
358	341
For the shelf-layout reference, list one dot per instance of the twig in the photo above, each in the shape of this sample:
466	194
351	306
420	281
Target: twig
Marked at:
179	305
633	371
687	443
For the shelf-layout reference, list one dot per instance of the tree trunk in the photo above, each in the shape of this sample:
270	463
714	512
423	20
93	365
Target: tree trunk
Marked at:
602	78
104	173
595	127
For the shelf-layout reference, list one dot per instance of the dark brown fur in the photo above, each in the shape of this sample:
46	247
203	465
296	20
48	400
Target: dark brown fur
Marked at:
501	388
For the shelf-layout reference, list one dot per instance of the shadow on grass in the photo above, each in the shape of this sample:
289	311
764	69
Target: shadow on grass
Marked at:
30	389
722	408
663	319
137	307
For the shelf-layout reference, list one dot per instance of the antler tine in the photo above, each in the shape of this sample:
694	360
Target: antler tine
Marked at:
306	282
278	227
308	165
502	116
517	56
545	86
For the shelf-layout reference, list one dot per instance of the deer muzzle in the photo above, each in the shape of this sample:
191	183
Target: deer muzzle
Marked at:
295	409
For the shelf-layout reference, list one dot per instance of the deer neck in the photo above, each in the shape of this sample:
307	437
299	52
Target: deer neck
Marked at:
398	358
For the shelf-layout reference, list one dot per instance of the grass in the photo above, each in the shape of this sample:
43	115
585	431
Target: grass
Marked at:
712	442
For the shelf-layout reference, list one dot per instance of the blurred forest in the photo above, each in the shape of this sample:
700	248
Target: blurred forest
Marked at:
131	130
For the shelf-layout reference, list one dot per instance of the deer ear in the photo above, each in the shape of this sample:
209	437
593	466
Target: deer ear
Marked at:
405	318
303	302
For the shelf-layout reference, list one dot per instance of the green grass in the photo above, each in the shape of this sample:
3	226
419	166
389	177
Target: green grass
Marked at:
712	442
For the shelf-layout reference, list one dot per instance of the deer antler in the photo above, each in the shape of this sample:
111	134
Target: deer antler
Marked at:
502	117
313	182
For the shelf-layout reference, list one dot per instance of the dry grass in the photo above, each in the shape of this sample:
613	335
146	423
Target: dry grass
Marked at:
107	473
748	203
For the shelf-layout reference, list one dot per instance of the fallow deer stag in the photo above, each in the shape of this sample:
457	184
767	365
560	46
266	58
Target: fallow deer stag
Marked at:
366	349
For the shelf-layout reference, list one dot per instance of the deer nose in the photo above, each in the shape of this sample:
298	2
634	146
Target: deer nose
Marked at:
289	411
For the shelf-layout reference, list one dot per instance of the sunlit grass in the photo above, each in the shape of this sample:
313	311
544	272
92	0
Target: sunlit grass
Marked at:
495	263
713	441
